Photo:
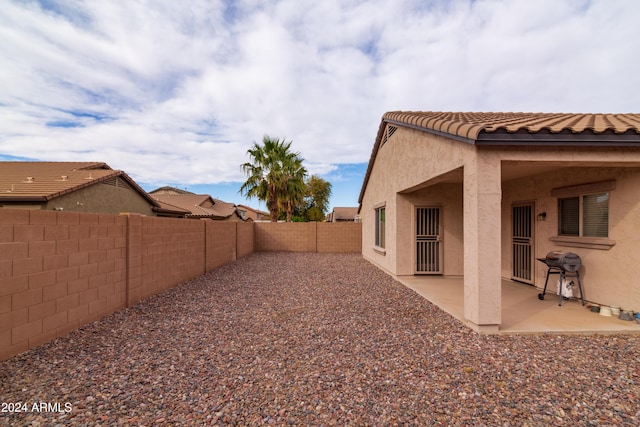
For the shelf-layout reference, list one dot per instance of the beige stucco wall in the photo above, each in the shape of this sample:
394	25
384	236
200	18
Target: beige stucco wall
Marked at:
414	168
608	275
448	197
411	160
102	198
403	164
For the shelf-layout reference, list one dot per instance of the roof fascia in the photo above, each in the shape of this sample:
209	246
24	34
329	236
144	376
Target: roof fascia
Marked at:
372	159
566	138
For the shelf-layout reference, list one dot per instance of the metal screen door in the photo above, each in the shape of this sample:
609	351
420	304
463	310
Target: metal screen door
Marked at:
522	218
428	241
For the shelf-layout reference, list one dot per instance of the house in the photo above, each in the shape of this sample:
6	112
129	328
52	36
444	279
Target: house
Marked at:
482	195
197	205
73	186
342	214
254	214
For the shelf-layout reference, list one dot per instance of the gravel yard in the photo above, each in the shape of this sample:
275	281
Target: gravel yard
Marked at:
314	339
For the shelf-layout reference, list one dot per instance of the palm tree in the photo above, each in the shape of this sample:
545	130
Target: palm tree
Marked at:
293	186
271	172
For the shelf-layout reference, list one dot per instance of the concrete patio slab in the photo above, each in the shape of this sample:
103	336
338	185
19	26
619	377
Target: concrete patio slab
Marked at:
522	311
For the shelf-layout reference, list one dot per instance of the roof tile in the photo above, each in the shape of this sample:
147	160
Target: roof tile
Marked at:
49	179
471	125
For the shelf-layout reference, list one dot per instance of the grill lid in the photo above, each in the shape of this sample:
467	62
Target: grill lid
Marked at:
567	261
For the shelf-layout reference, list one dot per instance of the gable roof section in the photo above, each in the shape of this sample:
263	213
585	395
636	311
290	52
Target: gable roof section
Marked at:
511	129
44	181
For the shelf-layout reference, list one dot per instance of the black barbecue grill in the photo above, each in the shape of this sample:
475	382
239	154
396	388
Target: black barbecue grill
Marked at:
562	263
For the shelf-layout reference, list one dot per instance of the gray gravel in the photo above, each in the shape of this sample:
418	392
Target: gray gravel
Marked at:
315	339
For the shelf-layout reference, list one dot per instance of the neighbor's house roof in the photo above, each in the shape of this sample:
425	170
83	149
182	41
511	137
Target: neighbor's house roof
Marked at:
176	210
256	211
197	205
344	213
169	190
558	129
44	181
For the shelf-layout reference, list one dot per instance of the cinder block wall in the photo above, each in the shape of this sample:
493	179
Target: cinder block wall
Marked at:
308	237
339	237
245	239
62	270
221	243
285	237
58	271
173	251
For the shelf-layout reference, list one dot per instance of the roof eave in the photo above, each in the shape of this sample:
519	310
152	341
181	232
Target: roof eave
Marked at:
544	137
372	158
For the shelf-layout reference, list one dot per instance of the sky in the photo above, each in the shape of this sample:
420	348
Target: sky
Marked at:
176	92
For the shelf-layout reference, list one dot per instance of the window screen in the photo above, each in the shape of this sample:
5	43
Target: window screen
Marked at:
569	223
595	213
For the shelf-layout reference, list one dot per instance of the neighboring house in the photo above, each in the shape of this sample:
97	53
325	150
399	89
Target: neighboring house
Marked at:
254	214
482	195
72	186
343	215
197	205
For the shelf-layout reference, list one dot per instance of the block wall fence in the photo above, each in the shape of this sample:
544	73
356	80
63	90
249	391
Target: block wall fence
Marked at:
62	270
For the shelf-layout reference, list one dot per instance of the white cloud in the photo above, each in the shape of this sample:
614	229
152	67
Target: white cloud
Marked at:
178	91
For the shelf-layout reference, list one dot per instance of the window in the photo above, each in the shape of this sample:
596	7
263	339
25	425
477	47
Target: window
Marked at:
380	220
585	215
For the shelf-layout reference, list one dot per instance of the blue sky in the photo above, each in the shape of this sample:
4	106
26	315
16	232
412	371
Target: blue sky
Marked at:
175	93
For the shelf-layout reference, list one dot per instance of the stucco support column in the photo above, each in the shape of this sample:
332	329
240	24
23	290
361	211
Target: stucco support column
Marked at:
405	236
482	253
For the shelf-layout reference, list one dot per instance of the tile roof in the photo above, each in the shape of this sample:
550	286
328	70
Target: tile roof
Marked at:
344	213
43	181
198	205
173	209
473	125
514	129
169	190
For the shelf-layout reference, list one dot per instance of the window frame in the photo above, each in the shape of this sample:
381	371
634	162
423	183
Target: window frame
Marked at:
380	219
579	192
582	217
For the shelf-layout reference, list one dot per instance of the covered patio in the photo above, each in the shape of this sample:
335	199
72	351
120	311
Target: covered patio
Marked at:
483	196
522	311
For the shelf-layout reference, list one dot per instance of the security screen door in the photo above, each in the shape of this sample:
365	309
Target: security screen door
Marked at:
428	241
522	238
